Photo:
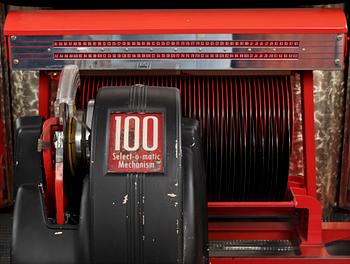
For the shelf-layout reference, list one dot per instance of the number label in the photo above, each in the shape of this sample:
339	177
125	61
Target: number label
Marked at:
136	143
135	120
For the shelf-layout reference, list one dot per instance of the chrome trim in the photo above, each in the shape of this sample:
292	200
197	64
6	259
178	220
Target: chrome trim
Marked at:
229	52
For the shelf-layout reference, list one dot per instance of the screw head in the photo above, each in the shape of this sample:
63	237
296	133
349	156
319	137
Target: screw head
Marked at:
15	61
337	61
13	37
339	37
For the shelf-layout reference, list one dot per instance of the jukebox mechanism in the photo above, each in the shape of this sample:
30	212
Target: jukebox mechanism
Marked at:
170	142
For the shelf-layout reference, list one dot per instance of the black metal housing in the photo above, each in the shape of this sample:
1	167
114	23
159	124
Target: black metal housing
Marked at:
28	162
152	226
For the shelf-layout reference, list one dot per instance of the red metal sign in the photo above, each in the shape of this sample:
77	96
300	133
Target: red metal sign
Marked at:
136	143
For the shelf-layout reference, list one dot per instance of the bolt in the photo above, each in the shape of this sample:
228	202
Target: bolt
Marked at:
126	49
249	49
151	49
48	49
175	49
200	49
54	74
13	37
15	61
102	49
337	61
303	49
339	37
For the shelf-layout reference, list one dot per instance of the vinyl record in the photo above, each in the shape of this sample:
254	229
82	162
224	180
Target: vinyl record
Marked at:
268	150
245	176
262	142
250	134
251	138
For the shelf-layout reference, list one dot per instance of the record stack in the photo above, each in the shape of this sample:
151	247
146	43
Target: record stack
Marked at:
246	126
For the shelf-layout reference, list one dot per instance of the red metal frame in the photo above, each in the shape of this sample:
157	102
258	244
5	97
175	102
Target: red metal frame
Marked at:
309	132
59	193
332	231
57	22
309	229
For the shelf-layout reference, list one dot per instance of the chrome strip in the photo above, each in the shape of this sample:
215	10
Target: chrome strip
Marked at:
180	52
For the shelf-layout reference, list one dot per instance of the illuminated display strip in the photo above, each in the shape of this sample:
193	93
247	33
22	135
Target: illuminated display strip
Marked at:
176	43
107	56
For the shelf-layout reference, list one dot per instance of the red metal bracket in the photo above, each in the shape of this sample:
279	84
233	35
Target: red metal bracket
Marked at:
307	93
49	127
311	243
59	193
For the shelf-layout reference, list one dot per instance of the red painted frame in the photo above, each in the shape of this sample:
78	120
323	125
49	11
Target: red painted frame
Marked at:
310	231
244	21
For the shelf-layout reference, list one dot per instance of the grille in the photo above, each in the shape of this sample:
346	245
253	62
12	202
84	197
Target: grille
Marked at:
257	248
246	128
